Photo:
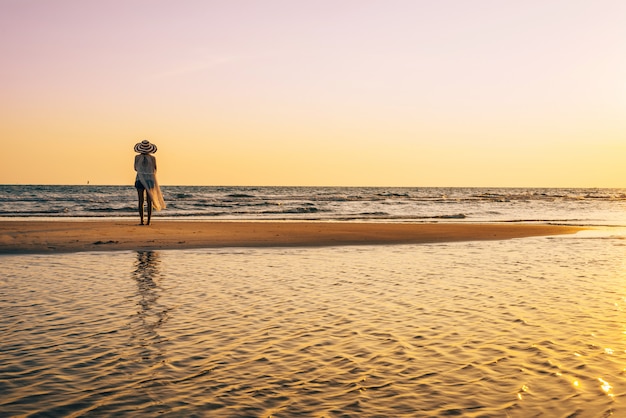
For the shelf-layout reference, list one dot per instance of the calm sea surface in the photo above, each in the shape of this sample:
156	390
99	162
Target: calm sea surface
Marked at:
519	328
572	206
524	327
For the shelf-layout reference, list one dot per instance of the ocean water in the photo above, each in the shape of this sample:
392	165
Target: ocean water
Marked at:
571	206
514	328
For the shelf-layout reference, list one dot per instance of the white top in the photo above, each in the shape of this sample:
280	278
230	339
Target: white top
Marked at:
145	165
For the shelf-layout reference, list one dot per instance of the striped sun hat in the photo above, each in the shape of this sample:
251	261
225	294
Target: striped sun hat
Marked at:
145	147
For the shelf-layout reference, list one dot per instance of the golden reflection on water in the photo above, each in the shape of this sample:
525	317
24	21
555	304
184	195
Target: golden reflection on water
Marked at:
150	315
515	328
145	273
606	387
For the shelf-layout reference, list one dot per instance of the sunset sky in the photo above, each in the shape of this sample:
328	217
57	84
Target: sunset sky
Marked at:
315	92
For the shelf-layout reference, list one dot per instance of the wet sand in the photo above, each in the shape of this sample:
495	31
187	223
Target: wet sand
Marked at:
34	236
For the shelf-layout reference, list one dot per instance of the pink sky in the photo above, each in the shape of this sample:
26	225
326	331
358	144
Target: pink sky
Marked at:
407	93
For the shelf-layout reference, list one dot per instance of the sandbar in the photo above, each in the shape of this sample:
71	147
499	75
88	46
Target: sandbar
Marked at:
39	236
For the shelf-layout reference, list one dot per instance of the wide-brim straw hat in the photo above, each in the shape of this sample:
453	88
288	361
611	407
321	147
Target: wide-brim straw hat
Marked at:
145	147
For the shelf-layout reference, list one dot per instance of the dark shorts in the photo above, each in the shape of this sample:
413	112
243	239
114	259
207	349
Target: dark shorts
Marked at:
139	185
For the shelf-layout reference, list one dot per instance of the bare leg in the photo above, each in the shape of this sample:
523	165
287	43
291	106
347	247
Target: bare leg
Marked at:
140	195
149	203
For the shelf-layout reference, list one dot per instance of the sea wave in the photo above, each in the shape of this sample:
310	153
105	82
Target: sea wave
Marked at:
588	206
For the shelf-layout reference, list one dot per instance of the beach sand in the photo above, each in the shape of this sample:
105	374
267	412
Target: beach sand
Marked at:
35	236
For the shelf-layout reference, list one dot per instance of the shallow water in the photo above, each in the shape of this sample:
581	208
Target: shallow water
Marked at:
526	327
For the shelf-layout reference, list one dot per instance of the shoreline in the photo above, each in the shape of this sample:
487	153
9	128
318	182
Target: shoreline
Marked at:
59	236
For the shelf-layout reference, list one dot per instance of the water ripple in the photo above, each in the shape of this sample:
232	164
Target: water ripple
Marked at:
515	328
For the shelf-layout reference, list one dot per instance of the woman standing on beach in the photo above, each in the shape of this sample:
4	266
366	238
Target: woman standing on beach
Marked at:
145	166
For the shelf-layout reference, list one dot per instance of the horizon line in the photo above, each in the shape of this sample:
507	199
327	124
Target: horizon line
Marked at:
314	186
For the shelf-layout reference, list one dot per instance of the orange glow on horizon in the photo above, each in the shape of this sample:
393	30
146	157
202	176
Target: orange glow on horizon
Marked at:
518	95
